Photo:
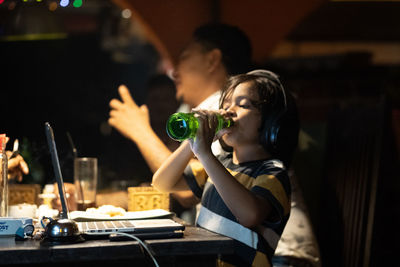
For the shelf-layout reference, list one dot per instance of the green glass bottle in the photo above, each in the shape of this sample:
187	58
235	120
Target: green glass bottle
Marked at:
181	126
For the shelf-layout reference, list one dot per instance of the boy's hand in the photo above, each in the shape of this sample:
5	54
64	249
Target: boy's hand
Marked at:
227	115
205	135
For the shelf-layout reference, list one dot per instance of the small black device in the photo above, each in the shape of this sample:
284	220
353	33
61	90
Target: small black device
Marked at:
62	230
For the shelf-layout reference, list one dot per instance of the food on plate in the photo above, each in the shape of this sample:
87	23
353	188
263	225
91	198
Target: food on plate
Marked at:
109	210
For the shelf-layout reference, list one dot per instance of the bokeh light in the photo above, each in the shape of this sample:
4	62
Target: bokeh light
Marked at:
77	3
53	6
64	3
126	13
12	5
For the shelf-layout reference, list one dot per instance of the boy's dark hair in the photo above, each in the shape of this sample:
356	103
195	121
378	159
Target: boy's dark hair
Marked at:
279	117
234	45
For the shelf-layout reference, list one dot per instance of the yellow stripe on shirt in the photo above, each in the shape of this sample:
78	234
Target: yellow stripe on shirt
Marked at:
268	182
242	178
199	173
272	184
260	260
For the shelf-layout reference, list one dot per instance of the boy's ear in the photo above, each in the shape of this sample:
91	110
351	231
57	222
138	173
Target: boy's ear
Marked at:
214	58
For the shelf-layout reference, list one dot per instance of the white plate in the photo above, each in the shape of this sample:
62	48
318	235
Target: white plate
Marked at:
83	216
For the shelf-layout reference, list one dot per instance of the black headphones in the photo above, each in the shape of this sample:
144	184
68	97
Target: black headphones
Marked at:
271	127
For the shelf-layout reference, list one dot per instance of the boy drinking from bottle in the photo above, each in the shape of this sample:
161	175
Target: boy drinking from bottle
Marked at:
245	192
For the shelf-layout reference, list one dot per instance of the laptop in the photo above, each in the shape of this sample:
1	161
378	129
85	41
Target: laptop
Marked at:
143	228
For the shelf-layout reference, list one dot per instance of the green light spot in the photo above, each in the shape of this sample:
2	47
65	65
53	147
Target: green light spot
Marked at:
77	3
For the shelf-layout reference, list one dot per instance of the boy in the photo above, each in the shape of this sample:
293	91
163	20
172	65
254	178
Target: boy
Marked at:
245	194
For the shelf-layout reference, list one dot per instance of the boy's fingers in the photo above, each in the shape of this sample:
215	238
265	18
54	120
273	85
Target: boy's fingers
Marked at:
221	133
213	121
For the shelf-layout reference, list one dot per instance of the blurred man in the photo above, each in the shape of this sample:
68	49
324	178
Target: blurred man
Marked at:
215	52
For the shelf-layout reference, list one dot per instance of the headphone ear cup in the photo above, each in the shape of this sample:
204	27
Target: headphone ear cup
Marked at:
270	134
274	135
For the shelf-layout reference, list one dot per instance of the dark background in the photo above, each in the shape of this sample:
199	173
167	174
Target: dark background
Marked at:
69	83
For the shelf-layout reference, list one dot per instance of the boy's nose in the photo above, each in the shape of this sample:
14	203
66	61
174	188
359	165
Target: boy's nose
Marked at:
230	112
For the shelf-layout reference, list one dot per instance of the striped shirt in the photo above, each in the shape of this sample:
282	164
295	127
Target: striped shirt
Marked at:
265	178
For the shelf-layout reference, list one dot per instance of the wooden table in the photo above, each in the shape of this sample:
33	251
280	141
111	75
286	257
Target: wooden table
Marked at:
198	247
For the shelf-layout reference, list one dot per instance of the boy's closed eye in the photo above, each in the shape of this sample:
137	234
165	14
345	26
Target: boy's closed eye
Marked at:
246	103
242	103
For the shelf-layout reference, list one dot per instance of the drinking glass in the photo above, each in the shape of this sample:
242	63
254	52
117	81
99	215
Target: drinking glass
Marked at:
85	179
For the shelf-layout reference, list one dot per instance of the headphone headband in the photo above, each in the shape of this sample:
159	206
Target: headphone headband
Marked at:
269	75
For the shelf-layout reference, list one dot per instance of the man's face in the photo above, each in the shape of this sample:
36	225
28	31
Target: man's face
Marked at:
190	74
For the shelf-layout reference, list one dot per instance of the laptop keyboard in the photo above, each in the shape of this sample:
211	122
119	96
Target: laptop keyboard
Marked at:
105	225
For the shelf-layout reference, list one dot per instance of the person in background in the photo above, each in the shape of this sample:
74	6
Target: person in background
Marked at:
298	246
17	167
215	52
245	194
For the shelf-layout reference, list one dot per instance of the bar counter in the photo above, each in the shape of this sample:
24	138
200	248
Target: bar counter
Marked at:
198	247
